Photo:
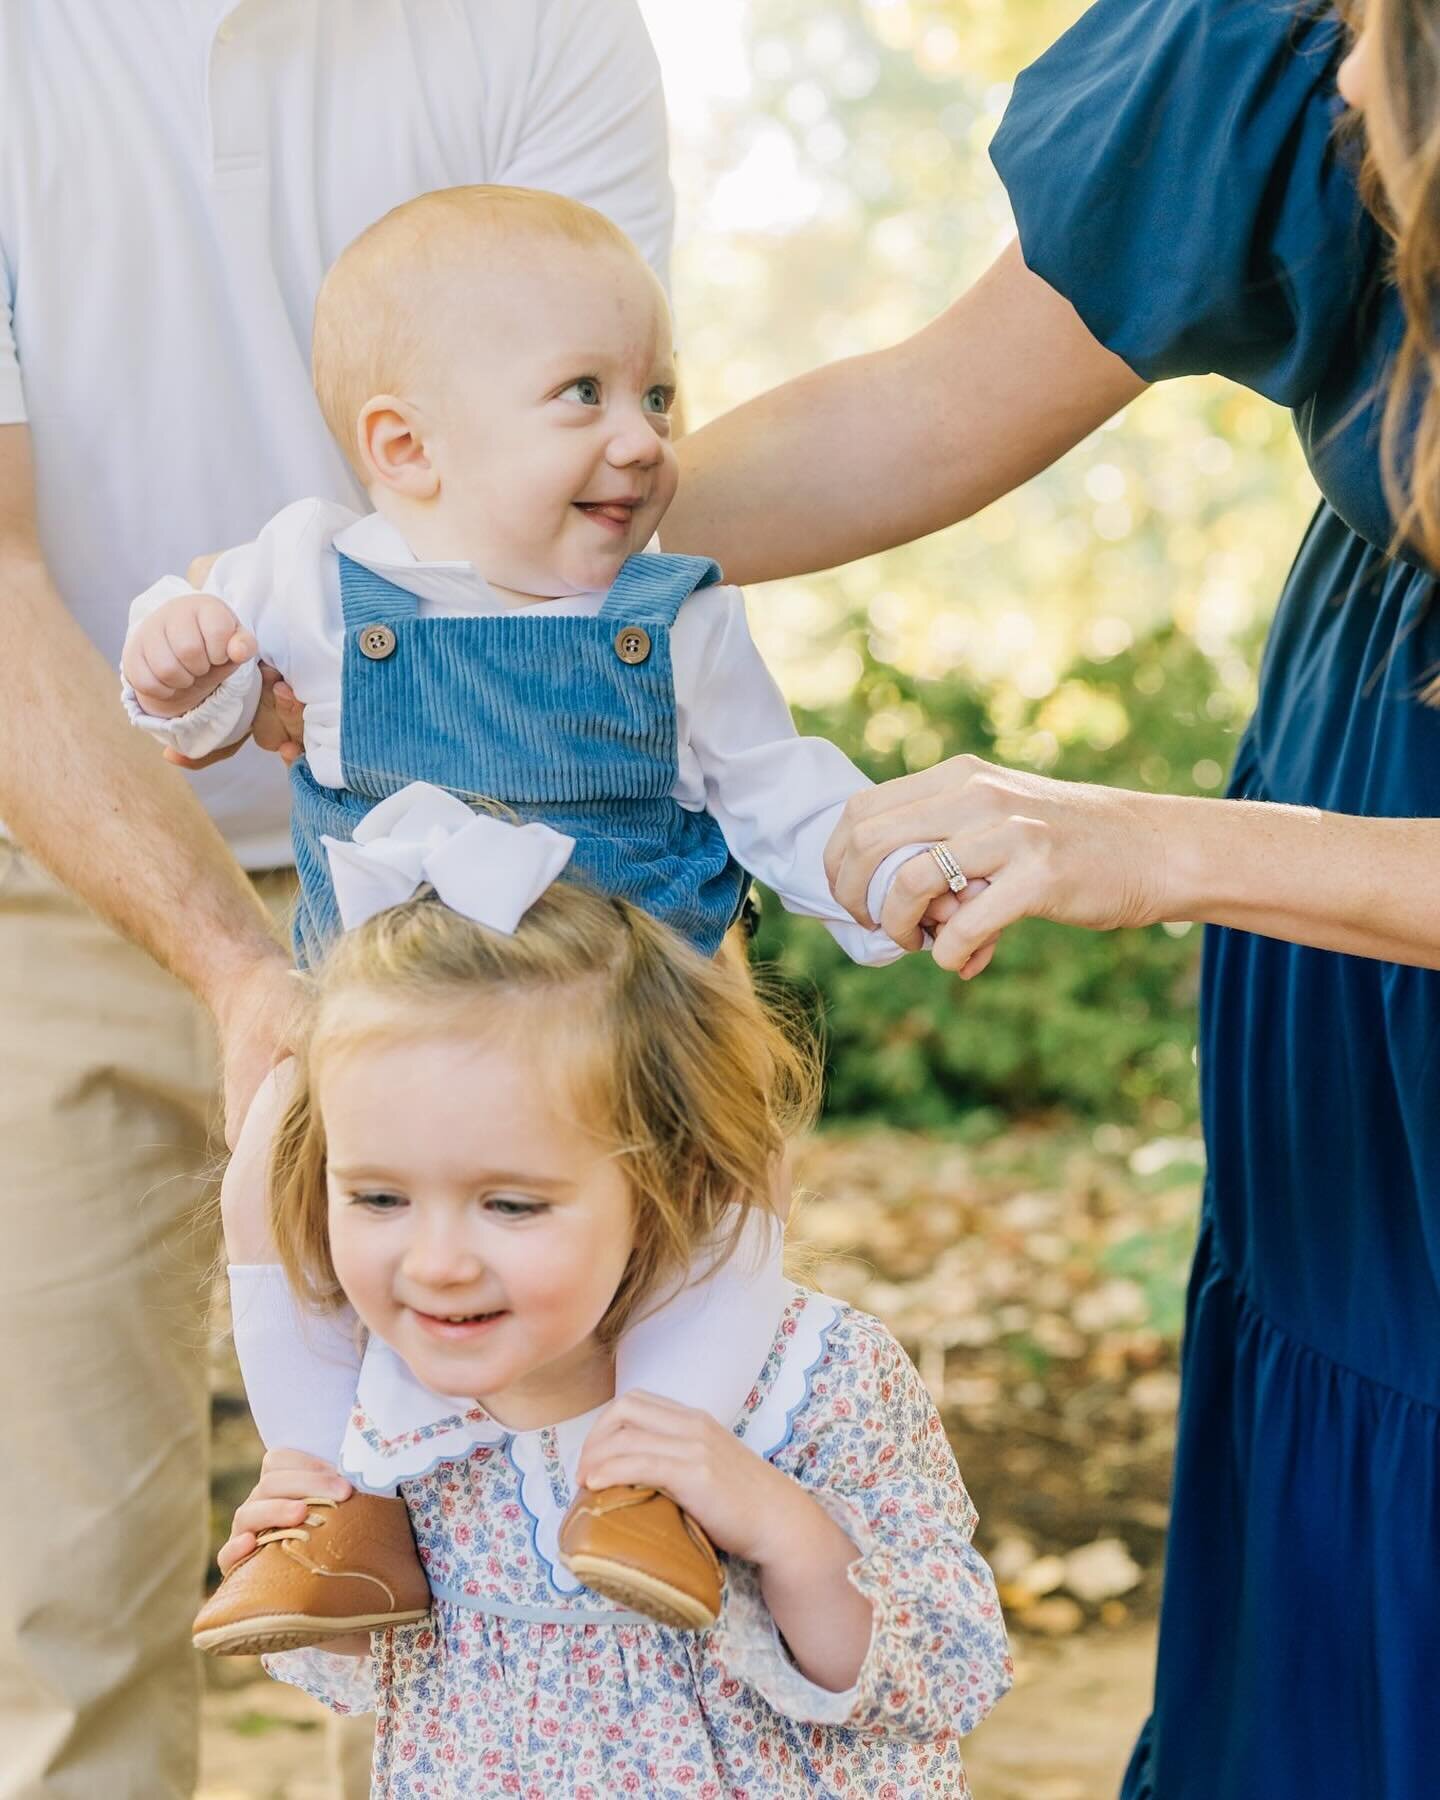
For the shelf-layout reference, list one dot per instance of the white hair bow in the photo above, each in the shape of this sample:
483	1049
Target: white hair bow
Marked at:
487	869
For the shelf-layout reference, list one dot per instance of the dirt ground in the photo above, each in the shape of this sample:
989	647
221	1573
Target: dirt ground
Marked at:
1036	1279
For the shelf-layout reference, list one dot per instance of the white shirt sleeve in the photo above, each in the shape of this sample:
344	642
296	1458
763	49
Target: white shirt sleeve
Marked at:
263	583
12	392
594	120
775	795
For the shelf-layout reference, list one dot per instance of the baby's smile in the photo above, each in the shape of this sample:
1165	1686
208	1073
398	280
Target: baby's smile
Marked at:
616	515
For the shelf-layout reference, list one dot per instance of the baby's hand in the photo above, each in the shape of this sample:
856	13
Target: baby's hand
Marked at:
182	652
288	1478
945	906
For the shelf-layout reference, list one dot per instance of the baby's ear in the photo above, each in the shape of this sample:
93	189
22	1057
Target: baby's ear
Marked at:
390	438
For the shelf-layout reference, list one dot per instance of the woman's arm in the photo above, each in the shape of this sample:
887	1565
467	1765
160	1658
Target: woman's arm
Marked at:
1105	857
879	449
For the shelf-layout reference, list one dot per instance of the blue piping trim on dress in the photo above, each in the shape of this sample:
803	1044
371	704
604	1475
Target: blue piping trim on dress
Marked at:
809	1379
539	1615
560	1577
462	1456
534	1518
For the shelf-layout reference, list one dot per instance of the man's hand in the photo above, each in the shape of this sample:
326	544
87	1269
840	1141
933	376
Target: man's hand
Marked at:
254	1014
279	724
182	652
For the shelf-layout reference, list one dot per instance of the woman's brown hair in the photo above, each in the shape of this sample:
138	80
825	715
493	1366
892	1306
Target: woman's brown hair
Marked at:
673	1060
1404	116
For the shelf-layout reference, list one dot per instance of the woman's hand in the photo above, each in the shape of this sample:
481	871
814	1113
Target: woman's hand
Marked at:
288	1478
746	1506
1061	850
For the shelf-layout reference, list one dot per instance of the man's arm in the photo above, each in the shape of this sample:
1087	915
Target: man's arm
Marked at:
90	799
879	449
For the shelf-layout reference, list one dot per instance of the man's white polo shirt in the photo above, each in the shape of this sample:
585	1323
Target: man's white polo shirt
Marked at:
176	176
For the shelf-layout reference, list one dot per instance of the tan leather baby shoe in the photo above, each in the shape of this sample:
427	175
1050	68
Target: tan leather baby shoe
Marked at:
352	1566
636	1547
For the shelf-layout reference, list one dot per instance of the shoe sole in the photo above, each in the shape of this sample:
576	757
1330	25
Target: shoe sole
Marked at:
292	1631
638	1592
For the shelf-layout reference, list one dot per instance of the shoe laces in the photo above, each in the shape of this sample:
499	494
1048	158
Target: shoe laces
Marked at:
299	1533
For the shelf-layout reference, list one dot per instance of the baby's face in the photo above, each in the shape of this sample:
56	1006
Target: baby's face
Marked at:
474	1226
550	430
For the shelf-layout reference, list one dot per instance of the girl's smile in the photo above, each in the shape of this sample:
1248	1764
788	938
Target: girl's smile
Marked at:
453	1328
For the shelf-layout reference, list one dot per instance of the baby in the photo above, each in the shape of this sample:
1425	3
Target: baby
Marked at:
496	364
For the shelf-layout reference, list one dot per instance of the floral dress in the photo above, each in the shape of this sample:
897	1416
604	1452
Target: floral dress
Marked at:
524	1683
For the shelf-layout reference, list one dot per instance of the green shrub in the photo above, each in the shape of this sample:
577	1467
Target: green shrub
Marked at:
1099	1023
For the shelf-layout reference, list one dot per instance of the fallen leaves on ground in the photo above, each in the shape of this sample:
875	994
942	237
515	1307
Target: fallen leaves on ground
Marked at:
1037	1278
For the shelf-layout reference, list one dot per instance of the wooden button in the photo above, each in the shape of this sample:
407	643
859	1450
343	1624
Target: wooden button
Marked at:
632	643
377	642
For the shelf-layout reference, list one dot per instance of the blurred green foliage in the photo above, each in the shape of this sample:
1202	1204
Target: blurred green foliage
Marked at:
1101	623
1099	1023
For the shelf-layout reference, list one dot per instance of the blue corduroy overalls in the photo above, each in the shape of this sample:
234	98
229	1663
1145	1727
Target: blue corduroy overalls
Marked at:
563	719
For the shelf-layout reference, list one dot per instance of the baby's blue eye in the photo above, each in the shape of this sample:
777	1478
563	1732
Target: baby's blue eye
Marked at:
657	400
586	390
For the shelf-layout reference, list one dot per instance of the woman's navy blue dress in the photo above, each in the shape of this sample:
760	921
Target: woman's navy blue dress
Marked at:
1173	170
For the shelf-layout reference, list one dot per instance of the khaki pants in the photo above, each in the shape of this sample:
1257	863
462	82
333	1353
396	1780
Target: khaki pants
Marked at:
108	1143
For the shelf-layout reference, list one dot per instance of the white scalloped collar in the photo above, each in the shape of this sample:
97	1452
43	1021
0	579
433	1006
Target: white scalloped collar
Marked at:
400	1429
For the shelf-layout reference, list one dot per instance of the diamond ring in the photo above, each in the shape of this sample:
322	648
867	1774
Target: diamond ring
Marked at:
949	868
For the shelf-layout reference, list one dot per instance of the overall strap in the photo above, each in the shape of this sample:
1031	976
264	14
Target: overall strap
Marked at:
651	589
369	599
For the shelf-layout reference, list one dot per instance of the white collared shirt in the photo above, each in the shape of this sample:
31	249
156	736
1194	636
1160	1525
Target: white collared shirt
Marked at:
776	796
175	178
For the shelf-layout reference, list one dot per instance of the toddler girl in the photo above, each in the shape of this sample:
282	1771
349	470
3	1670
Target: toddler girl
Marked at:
496	364
498	1147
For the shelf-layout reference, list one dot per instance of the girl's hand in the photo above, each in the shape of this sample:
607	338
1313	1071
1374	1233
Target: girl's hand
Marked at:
746	1507
1061	850
288	1478
752	1510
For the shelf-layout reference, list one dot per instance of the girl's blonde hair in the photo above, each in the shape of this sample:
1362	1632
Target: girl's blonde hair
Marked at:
672	1060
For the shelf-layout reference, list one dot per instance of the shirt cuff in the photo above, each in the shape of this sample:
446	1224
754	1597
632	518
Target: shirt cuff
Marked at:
753	1650
220	719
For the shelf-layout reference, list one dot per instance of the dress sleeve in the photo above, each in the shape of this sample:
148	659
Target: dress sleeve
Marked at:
1174	173
346	1684
938	1658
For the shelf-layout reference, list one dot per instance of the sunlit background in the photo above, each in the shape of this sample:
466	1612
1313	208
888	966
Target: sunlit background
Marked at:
834	194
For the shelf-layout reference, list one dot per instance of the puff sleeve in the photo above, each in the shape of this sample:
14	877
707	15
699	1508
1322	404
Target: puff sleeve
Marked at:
1174	172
